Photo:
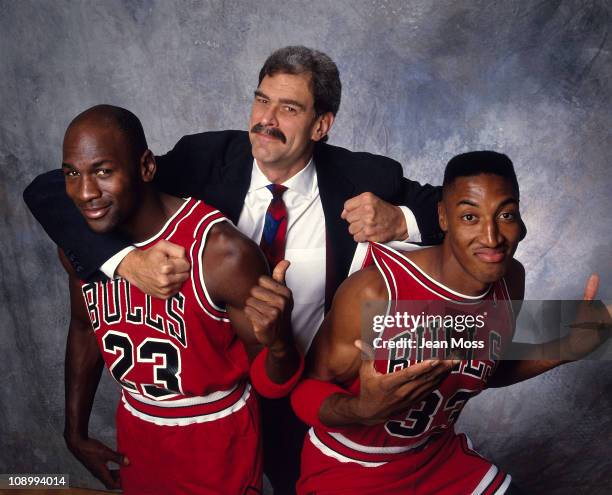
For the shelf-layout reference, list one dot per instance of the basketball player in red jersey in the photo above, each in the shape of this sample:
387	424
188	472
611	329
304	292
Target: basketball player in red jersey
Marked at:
188	421
377	430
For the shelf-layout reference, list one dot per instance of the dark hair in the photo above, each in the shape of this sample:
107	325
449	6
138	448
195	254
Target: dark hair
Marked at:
325	78
480	162
119	118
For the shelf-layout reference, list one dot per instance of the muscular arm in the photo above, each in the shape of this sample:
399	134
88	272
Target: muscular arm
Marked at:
234	268
333	355
535	358
335	358
83	366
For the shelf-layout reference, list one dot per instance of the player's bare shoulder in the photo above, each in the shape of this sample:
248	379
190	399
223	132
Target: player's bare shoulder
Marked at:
421	257
227	246
232	263
364	285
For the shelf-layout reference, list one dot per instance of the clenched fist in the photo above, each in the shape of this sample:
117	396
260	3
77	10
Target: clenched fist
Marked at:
159	271
372	219
269	309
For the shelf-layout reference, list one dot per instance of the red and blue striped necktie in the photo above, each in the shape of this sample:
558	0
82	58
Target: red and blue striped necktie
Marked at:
274	233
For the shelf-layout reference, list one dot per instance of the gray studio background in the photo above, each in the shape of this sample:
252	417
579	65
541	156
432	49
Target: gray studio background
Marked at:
422	81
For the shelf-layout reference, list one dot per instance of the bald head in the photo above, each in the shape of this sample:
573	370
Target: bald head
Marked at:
107	166
110	117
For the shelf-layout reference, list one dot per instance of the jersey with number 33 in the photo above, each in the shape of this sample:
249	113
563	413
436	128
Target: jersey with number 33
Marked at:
436	413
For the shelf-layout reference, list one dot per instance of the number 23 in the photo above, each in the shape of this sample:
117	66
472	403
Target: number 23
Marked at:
166	375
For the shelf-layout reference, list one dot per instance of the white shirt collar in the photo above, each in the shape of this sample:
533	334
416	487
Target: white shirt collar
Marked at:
304	182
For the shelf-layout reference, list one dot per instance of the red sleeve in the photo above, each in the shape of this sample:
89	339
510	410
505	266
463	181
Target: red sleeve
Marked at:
266	387
308	397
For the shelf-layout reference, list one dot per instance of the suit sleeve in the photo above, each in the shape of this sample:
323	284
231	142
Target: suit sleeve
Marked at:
388	182
87	251
177	172
185	169
423	202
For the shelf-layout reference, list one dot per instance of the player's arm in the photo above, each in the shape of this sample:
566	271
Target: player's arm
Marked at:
259	307
511	371
536	359
83	366
335	360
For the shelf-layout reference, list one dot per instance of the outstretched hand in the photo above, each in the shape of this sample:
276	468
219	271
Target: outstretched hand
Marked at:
372	219
159	271
591	327
269	309
94	455
382	396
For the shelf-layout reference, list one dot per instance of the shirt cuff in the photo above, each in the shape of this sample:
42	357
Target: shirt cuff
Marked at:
414	234
110	265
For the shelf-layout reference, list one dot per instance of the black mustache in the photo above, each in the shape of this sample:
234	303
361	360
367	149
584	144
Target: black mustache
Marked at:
269	131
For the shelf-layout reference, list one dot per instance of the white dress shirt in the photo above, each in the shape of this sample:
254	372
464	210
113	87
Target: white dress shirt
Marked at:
305	243
304	248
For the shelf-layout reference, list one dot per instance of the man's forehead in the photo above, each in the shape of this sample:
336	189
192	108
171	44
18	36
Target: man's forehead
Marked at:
282	83
482	185
86	139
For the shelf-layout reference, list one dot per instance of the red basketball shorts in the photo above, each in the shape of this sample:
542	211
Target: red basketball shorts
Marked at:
447	466
213	457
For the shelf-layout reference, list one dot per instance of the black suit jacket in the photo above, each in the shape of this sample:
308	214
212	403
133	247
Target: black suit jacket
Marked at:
216	167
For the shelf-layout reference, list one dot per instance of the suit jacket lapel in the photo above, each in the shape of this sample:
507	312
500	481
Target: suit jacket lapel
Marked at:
230	187
228	190
334	189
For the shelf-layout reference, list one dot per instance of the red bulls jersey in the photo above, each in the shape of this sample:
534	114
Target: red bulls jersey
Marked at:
179	361
411	431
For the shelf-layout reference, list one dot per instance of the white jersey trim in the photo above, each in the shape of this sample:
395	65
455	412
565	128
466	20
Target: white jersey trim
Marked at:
205	418
335	455
434	281
510	305
188	401
200	275
179	222
200	253
168	222
486	480
382	274
368	449
504	486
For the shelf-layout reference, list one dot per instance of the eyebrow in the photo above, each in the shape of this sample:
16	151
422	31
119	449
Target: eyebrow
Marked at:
509	201
94	165
286	101
472	203
466	202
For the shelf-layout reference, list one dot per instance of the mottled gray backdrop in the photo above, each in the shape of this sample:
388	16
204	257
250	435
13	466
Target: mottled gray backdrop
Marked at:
423	80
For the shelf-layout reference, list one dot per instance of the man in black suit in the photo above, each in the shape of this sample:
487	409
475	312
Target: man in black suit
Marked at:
323	186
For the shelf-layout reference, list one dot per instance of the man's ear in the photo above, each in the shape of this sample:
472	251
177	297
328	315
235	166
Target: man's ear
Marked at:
148	167
442	219
322	126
